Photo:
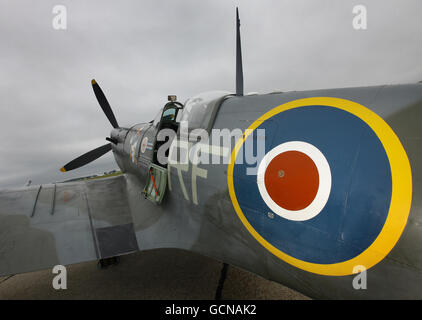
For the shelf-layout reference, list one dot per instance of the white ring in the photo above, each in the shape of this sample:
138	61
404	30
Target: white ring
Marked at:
324	185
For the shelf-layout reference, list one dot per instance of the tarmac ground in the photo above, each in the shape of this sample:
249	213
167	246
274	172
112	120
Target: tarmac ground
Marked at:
158	274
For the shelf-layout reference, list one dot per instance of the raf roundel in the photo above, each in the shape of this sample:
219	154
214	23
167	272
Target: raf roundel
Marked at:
294	180
332	190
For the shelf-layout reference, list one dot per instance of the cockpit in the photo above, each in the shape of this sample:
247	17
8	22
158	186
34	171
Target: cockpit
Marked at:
167	117
200	111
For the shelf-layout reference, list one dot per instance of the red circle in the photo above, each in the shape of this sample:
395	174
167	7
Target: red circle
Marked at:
292	180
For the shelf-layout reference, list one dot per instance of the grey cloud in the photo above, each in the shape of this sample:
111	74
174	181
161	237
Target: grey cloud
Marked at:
141	51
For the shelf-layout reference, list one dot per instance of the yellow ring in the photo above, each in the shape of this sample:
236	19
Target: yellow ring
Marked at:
401	195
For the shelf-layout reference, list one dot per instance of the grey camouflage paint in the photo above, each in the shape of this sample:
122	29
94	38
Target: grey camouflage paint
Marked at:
98	218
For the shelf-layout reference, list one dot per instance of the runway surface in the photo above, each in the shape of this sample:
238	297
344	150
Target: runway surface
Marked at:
158	274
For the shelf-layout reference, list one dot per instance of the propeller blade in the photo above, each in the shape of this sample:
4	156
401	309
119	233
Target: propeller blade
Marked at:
104	104
86	158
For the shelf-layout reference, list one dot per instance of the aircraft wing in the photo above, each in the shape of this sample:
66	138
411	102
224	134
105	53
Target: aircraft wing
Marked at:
64	223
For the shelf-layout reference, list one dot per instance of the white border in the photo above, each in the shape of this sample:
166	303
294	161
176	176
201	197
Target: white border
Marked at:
324	187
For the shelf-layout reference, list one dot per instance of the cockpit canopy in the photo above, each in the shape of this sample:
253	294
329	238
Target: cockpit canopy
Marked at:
200	110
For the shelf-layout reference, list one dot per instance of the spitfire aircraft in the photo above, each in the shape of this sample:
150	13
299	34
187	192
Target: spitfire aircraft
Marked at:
318	187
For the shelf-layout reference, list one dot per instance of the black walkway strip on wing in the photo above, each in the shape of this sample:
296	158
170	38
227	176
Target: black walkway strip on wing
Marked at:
53	201
85	195
36	200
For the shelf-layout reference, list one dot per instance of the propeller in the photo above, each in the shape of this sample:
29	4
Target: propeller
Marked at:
87	158
100	151
104	104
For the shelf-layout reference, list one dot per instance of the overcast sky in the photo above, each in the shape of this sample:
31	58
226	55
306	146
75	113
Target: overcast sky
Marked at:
141	51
